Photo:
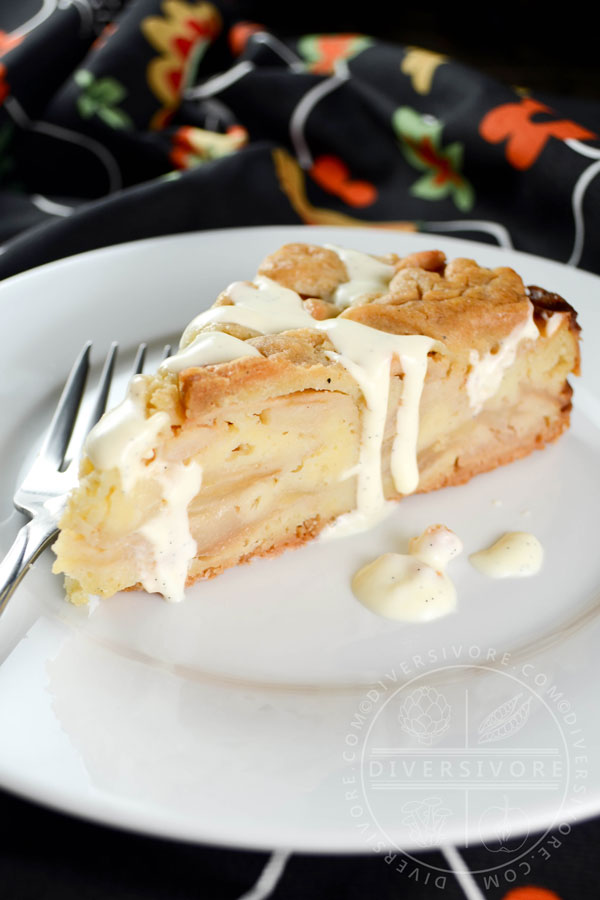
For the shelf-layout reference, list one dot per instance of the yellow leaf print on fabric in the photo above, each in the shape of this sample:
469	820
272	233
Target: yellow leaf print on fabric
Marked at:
421	66
195	146
181	35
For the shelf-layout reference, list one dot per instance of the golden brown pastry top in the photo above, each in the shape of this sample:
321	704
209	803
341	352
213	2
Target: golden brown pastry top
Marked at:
459	303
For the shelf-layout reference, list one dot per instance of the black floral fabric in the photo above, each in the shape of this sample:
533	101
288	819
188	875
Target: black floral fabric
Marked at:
128	120
121	121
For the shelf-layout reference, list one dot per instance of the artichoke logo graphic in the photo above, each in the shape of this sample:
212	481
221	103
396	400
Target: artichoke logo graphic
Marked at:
425	715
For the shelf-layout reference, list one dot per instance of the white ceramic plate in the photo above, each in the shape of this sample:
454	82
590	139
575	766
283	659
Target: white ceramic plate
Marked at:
271	709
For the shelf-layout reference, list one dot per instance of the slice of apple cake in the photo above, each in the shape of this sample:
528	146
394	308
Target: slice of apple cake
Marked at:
305	401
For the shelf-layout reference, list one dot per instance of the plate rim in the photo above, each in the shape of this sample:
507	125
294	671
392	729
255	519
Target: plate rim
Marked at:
137	826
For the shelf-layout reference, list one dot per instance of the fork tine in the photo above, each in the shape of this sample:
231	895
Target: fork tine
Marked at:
56	441
44	491
102	392
103	386
140	356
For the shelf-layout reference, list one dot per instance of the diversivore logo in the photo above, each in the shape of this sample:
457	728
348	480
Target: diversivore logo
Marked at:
485	751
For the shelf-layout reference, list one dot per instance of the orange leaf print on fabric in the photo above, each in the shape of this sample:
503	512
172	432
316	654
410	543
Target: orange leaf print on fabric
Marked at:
182	36
512	122
291	180
531	893
195	146
240	34
4	86
333	175
323	51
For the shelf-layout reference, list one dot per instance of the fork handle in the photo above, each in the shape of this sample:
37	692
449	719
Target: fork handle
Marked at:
32	538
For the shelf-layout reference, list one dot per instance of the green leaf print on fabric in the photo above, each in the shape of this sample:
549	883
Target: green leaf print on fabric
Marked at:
100	97
420	139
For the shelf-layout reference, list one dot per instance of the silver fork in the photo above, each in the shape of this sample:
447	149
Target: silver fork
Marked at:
43	492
